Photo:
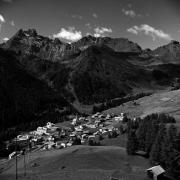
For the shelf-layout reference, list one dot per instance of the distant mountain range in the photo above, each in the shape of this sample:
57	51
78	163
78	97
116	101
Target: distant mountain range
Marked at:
89	71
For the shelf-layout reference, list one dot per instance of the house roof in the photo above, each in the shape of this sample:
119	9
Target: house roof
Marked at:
157	170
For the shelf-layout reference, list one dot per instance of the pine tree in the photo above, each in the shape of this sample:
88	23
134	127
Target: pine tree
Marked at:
165	150
171	153
177	144
132	143
172	134
175	163
141	133
155	154
151	134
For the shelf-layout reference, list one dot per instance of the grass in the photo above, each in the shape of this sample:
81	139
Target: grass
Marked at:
120	141
81	162
164	102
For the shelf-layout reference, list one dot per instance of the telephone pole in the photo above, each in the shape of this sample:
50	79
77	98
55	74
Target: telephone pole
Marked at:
16	160
24	162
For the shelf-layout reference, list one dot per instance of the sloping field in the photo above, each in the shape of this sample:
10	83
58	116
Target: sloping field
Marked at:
81	163
166	102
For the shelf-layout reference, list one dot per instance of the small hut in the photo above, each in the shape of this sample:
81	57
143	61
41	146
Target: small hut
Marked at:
156	172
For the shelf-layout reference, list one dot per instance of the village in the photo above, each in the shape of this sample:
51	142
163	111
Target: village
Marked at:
80	131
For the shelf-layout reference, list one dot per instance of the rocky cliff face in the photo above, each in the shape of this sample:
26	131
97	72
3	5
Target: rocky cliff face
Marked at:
117	44
29	43
169	53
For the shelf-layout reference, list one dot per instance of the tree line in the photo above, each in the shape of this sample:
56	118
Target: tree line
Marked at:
157	136
117	102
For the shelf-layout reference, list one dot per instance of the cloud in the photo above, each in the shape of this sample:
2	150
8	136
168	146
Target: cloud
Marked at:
101	31
131	30
70	34
12	23
2	20
129	13
150	31
5	39
95	15
75	16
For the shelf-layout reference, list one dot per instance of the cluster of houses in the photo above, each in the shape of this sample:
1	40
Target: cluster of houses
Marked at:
96	127
42	137
82	130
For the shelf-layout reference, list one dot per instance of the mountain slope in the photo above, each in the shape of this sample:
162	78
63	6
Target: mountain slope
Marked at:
167	54
90	70
91	75
162	102
102	74
21	94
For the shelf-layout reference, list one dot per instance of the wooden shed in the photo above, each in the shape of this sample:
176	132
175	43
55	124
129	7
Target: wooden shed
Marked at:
156	172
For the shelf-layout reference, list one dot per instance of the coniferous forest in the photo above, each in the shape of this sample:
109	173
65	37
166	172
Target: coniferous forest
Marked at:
157	136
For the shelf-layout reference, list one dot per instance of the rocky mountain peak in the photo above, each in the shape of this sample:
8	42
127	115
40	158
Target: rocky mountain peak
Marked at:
22	33
31	32
169	53
117	44
29	43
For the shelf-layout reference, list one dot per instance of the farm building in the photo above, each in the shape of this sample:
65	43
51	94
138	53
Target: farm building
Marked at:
156	172
93	140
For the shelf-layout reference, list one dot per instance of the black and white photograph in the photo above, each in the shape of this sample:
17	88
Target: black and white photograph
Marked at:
89	89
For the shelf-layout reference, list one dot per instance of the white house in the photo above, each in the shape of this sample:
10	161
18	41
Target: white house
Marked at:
79	128
50	125
91	125
49	145
22	137
41	130
63	145
108	117
69	144
50	138
120	117
12	155
72	135
74	121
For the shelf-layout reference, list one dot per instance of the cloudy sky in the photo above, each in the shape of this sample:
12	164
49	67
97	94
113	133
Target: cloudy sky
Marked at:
150	23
